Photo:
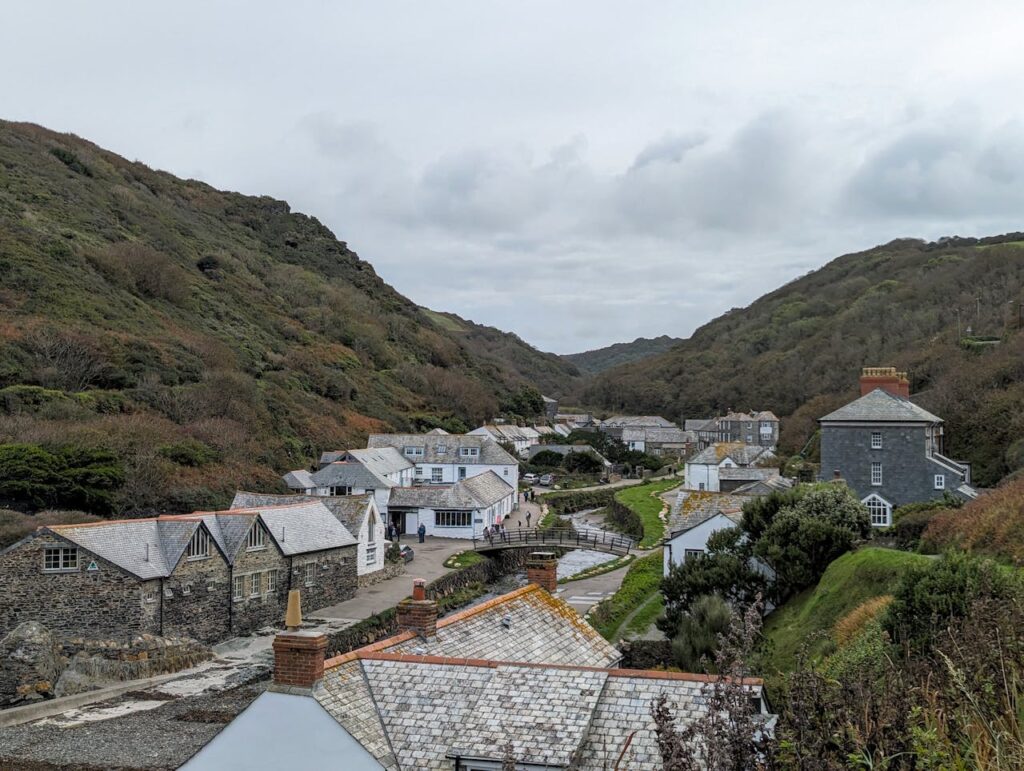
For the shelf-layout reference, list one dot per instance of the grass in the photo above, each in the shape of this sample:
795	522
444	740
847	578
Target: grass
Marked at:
648	613
599	570
463	559
643	499
849	582
640	584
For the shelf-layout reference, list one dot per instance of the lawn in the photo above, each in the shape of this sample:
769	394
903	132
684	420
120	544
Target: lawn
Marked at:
848	582
638	587
643	499
463	560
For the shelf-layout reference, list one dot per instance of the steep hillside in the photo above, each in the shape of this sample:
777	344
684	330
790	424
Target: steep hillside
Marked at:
600	359
799	349
207	338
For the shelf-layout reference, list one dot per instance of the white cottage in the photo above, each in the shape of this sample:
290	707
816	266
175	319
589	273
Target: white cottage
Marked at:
450	458
355	472
703	469
461	510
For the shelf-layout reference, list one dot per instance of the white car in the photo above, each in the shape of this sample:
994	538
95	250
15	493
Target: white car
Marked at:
530	479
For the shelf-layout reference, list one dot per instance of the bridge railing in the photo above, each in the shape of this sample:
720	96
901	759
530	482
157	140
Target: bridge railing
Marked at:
591	538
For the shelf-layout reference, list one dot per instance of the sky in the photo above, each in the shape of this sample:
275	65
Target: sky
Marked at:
579	173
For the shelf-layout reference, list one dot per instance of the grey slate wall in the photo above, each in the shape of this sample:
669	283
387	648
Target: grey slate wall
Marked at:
335	578
251	613
203	612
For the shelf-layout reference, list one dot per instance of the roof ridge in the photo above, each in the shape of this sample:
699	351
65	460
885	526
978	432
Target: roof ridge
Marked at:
119	521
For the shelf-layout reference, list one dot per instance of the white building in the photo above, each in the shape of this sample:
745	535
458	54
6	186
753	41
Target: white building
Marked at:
703	469
695	517
358	513
460	510
449	458
355	472
520	438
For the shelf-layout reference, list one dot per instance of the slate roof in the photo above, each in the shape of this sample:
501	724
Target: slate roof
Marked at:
882	407
345	473
658	435
694	507
696	424
350	510
491	452
637	421
764	486
476	492
565	449
304	527
741	454
382	460
747	472
299	479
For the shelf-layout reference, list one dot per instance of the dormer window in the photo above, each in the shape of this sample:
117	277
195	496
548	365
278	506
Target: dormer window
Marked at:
441	449
414	452
469	452
256	539
199	546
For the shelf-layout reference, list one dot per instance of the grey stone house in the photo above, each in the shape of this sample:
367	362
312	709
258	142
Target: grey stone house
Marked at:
889	450
207	575
760	428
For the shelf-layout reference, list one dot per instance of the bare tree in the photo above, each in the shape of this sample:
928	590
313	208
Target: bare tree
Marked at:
66	362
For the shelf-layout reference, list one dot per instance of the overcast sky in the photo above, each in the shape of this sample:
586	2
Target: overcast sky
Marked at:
580	173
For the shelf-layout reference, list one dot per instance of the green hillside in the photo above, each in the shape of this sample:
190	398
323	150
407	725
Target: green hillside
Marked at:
798	350
211	339
600	359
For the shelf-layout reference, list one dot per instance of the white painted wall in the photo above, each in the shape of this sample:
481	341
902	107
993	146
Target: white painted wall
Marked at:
480	519
694	538
450	472
374	542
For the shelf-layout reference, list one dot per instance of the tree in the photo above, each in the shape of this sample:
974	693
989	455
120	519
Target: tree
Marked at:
696	643
527	402
582	463
547	458
72	477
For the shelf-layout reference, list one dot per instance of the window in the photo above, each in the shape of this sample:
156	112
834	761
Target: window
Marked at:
371	555
199	546
309	573
255	541
452	519
940	481
876	440
238	588
419	471
505	471
750	438
271	581
876	474
881	511
462	472
689	554
149	595
60	558
436	474
414	452
469	452
441	449
341	490
255	585
186	589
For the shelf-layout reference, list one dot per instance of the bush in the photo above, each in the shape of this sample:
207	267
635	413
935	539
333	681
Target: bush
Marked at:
547	459
72	476
625	520
641	581
570	501
696	641
909	526
189	452
581	463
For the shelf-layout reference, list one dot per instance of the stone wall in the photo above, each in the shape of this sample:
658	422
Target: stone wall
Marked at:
267	609
105	602
390	570
201	613
334	577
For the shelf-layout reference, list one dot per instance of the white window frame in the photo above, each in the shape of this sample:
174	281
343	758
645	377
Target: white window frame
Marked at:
256	539
309	574
413	452
371	554
436	475
238	588
255	584
441	449
876	440
186	589
60	559
880	510
940	481
469	452
271	581
689	554
448	519
876	474
199	546
337	490
149	596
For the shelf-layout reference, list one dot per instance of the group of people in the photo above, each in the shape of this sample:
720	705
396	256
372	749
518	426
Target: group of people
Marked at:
394	533
529	495
497	530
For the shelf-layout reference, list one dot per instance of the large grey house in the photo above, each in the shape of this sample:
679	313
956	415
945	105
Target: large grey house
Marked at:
888	449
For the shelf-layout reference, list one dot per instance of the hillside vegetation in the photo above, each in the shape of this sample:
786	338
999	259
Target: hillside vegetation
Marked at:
600	359
208	339
798	350
992	525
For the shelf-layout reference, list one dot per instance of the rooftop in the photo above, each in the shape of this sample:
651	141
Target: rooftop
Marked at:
881	407
696	507
476	492
741	454
440	449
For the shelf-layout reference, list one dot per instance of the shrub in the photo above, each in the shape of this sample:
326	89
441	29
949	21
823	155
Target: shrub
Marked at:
696	641
850	625
547	459
78	477
582	463
910	526
570	501
189	452
640	582
70	160
625	520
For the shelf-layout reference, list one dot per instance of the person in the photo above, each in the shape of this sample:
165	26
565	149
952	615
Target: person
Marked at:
487	534
529	515
421	531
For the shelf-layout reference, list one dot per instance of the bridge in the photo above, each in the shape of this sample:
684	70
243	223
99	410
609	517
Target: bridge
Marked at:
568	538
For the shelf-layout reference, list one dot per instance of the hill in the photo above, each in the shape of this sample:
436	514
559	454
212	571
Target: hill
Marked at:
798	350
600	359
209	339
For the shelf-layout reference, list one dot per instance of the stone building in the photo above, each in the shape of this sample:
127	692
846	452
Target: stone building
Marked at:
888	449
207	575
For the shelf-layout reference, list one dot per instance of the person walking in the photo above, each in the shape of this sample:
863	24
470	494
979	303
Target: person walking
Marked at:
421	531
528	516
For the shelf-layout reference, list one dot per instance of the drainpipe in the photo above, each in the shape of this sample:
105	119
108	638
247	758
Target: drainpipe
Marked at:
161	607
231	599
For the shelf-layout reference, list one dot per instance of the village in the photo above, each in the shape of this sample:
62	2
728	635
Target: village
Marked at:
402	597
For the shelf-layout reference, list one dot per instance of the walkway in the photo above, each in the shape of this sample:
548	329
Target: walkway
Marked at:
592	539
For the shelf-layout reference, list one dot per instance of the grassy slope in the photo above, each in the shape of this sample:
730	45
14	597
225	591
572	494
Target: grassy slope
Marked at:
992	525
804	344
214	316
600	359
644	500
849	581
638	587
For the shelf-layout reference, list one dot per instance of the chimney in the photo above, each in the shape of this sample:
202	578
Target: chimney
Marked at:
886	378
418	614
542	569
299	658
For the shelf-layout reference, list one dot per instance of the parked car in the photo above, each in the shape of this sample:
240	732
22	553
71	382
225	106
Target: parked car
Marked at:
530	479
406	553
547	480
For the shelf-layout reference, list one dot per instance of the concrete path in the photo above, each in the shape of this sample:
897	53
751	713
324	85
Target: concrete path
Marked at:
584	594
428	563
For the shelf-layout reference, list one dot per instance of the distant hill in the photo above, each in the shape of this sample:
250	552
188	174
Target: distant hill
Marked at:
798	350
600	359
212	339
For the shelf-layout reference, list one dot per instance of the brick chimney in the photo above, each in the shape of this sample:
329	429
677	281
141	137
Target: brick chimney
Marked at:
542	569
886	378
299	658
418	614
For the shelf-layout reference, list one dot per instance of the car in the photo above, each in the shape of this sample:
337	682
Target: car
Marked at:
406	553
530	479
547	480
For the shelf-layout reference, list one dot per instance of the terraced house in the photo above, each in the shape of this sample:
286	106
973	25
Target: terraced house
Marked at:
444	459
207	575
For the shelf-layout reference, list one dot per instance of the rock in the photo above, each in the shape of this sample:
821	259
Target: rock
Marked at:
30	662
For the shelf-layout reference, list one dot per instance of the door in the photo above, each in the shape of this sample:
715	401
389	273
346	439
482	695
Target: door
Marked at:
398	520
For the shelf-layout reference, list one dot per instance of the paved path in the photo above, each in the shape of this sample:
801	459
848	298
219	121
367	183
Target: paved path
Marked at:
584	594
428	563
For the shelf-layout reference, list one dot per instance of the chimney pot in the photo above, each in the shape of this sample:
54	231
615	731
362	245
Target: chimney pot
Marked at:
886	378
418	614
419	589
542	569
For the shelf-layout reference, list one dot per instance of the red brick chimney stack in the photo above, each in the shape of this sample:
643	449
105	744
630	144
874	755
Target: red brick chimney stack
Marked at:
886	378
418	614
542	569
299	658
